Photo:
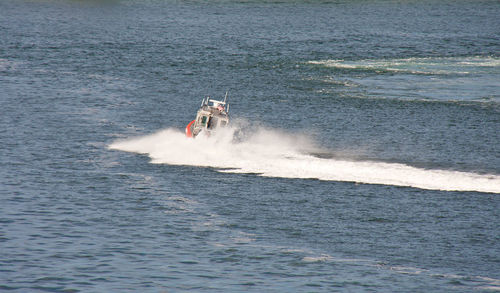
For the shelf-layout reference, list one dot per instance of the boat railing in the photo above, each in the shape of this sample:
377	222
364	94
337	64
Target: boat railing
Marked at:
214	103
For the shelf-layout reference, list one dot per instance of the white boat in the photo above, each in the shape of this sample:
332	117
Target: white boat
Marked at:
213	114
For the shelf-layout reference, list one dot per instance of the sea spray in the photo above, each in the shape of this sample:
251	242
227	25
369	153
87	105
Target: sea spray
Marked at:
273	153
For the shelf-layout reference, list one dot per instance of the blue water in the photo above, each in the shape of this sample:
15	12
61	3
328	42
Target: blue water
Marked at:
364	153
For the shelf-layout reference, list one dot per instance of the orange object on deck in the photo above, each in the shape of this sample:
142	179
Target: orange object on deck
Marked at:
189	129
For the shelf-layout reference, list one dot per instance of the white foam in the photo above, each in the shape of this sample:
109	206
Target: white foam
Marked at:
321	258
275	154
428	65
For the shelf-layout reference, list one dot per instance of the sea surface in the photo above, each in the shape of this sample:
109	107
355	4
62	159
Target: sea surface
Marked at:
363	153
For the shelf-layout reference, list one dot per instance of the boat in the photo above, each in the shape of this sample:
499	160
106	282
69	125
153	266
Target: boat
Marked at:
212	115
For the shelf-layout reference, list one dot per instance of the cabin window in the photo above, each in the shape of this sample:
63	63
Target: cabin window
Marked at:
212	122
203	120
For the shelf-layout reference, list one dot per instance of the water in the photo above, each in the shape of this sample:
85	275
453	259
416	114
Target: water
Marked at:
364	153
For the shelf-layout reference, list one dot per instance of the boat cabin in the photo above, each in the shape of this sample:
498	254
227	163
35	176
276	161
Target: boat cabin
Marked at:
211	115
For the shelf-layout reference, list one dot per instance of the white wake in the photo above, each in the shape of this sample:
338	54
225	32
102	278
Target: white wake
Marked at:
426	65
274	154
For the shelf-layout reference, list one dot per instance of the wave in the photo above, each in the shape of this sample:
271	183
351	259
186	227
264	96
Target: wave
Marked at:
272	153
418	66
8	65
470	281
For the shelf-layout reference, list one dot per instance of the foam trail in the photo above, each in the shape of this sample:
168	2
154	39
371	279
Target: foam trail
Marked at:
274	154
428	65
